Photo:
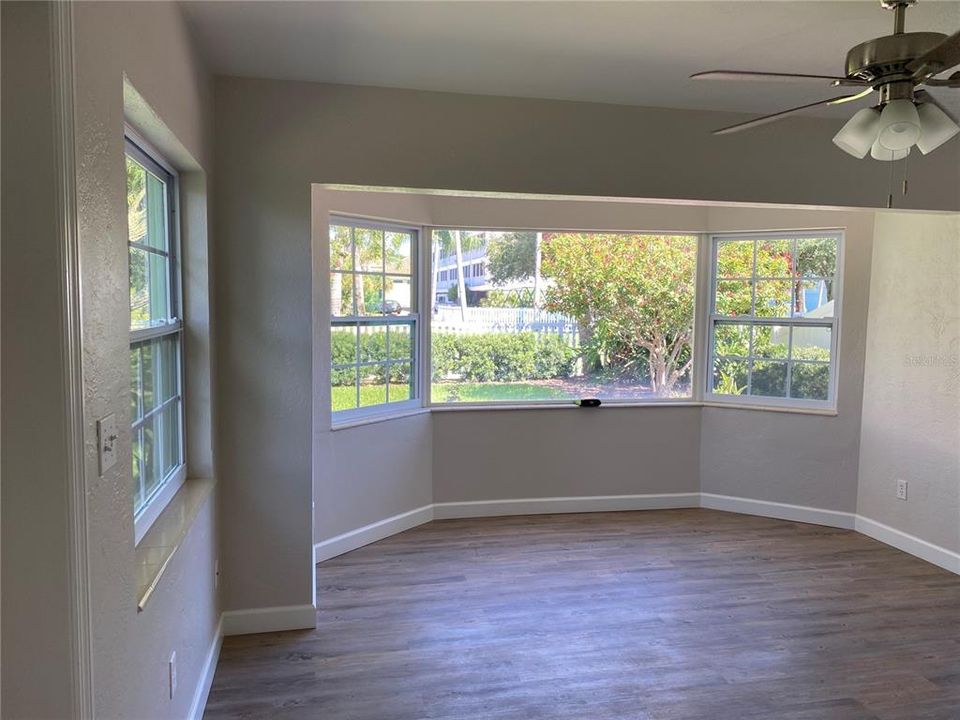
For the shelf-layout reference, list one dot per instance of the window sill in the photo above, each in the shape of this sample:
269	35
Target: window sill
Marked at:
483	407
828	412
165	536
459	407
373	419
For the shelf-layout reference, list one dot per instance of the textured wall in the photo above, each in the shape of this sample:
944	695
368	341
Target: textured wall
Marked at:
911	408
36	617
149	45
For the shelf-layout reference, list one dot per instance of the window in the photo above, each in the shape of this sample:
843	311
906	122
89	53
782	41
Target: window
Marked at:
773	318
156	335
563	315
374	334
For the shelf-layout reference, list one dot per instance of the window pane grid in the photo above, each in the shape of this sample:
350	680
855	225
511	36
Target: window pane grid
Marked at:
139	422
791	295
155	331
373	298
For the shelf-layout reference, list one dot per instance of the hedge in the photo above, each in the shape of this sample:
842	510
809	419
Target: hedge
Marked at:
486	357
500	357
373	348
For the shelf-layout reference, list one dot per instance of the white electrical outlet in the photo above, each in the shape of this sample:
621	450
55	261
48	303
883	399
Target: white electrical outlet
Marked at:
173	674
901	489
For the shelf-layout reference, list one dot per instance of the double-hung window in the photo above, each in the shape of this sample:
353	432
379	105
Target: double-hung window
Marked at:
775	303
156	335
374	324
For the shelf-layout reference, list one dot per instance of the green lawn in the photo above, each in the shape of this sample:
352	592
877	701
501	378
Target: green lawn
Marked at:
345	397
486	392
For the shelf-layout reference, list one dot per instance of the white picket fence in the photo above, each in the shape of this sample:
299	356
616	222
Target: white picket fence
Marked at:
504	320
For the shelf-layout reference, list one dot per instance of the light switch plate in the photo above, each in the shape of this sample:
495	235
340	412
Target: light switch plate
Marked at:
107	442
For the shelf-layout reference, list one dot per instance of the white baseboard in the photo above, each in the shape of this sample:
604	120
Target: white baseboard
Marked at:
345	542
269	619
207	672
781	511
542	506
354	539
947	559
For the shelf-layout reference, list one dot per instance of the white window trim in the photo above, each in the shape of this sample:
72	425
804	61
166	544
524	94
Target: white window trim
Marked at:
157	503
701	392
828	406
340	419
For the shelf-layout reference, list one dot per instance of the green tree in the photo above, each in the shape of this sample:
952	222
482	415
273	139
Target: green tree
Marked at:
137	232
362	249
633	296
511	257
516	257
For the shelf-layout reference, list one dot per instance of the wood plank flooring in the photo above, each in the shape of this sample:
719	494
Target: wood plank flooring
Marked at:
653	615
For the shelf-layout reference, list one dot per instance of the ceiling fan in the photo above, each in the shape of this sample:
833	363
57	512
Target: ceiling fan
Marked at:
893	66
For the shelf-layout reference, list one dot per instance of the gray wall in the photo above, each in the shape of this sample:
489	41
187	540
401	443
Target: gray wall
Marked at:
36	616
372	472
275	138
149	45
514	454
911	408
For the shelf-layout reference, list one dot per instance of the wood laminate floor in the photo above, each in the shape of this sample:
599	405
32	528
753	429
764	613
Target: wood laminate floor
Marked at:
666	615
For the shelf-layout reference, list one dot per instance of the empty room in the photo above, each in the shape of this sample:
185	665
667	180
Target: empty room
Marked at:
461	360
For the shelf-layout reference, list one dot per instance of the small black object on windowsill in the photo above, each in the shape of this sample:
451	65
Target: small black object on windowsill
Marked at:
587	402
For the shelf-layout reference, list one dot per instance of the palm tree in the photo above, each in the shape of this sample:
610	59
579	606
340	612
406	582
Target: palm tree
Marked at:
447	242
360	249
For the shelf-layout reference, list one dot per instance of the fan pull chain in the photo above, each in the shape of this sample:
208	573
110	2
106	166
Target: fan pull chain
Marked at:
905	173
890	186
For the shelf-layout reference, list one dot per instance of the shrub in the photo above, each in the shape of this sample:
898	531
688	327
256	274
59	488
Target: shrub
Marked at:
501	357
373	348
343	351
445	354
554	357
487	357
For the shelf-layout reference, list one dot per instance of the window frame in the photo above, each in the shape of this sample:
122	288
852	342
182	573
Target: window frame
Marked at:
147	156
713	319
427	367
351	416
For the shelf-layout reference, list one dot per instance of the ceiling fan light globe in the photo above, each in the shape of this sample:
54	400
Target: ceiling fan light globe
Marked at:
899	125
859	133
879	152
936	127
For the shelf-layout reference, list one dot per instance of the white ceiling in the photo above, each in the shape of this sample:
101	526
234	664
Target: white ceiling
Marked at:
636	53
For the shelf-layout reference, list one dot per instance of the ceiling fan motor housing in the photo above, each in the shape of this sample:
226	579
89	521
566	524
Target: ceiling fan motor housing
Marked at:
884	59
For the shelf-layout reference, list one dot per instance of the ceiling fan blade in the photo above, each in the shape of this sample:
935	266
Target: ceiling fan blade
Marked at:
771	76
943	57
756	122
951	82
